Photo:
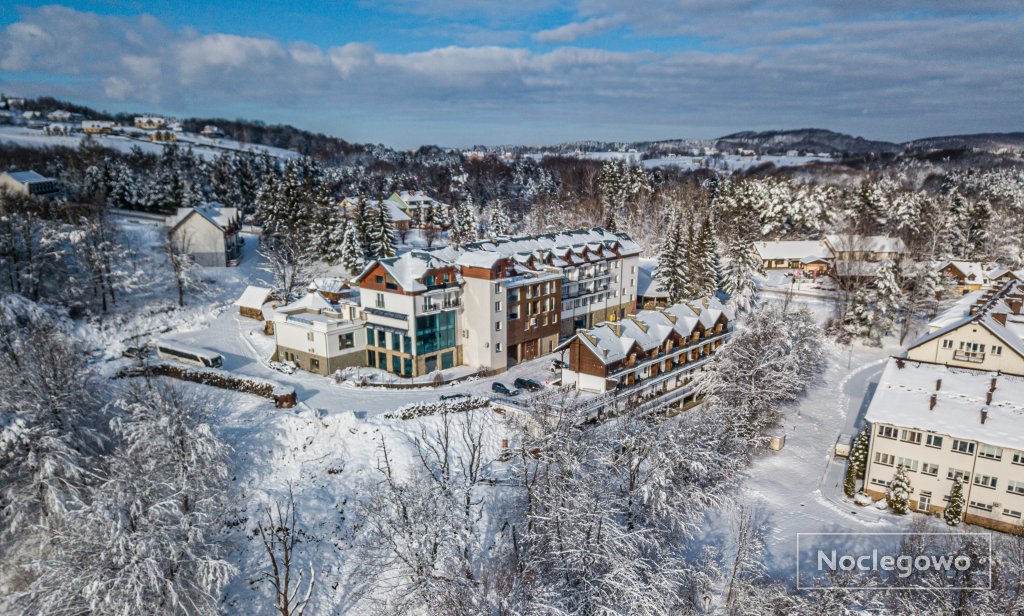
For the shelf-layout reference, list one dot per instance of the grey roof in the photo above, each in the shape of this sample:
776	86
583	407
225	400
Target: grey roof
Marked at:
27	177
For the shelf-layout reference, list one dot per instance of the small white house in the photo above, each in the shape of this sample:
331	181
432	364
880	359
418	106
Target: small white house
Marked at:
29	183
209	232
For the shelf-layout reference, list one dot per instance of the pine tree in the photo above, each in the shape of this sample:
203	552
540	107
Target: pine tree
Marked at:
463	224
850	482
898	495
707	283
955	509
857	464
672	271
362	218
738	274
500	223
691	264
888	299
859	317
382	235
351	251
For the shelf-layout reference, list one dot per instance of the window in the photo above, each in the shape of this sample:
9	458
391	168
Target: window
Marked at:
379	279
396	364
884	458
1015	486
990	452
309	336
447	360
314	364
1012	513
497	326
887	431
963	447
947	344
382	361
371	358
497	287
911	436
497	306
907	463
997	350
958	475
933	441
985	481
382	339
930	469
380	300
497	347
435	332
407	366
346	341
370	336
1018	458
982	506
879	482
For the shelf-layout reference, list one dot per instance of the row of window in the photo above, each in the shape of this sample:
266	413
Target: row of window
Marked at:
927	468
915	437
972	347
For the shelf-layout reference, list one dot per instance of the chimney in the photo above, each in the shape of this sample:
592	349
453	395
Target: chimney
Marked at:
1015	306
931	403
900	363
1000	318
984	414
938	384
988	400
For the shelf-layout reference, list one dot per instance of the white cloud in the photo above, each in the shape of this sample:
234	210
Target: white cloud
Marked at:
578	29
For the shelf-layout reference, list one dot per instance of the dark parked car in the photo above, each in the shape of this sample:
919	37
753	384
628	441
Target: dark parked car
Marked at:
454	396
501	388
528	384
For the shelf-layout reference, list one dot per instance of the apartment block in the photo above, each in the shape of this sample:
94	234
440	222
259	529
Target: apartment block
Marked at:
945	423
320	336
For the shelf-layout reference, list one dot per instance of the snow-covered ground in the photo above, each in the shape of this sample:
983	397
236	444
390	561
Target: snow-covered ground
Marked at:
202	146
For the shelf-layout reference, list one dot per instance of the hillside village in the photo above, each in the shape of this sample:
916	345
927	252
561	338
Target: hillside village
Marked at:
417	370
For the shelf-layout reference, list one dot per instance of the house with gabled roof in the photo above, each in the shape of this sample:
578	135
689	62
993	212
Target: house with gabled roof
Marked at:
963	276
983	332
29	183
652	352
415	203
209	233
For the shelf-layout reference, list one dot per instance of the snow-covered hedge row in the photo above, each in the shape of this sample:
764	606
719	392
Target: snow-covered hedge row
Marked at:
425	409
213	378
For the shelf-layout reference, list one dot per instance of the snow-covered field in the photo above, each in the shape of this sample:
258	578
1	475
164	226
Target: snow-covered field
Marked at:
202	146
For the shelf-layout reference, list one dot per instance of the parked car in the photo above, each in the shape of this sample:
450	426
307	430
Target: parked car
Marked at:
528	384
455	396
557	364
843	446
285	367
503	389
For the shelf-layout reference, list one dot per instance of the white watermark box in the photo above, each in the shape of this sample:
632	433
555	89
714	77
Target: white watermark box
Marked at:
883	561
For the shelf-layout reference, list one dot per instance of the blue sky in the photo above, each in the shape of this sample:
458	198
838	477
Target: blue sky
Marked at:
461	72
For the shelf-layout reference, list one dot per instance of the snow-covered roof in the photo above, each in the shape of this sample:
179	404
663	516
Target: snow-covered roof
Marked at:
997	309
856	268
409	268
866	243
973	271
213	211
312	302
903	398
479	258
611	341
790	250
27	177
647	285
559	244
253	297
397	213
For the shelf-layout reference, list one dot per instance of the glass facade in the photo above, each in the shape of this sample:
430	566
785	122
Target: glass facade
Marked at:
435	332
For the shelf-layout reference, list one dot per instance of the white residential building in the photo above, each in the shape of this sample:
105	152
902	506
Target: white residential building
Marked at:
942	424
320	336
209	233
983	331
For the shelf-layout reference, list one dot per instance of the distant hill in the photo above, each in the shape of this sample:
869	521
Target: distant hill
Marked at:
990	142
803	140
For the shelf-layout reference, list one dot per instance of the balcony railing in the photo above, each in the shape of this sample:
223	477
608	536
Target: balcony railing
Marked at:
434	306
973	357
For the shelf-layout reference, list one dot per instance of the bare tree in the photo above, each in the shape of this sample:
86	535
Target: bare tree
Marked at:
281	536
289	267
183	266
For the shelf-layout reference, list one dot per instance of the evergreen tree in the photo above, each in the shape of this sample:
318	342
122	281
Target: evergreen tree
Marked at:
857	464
463	223
500	223
859	317
351	250
898	495
672	270
954	512
691	264
382	235
738	274
707	282
850	482
889	300
363	220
